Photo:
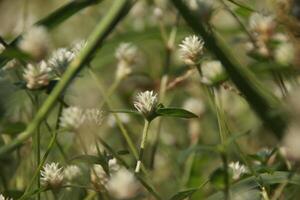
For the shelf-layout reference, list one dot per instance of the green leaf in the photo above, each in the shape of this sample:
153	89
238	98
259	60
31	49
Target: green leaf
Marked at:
12	128
184	194
175	112
125	111
217	178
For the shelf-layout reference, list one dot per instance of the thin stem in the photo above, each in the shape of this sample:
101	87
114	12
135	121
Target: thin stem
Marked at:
226	177
142	146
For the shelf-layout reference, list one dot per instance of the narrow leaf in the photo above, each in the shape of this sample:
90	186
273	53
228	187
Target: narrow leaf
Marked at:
175	112
184	194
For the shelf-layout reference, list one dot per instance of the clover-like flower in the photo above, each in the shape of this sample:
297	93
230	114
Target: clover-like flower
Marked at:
93	116
211	70
71	172
262	26
52	175
37	76
191	49
237	170
72	118
60	60
146	103
127	52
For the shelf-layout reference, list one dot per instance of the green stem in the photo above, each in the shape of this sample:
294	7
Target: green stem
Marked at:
107	24
142	146
226	177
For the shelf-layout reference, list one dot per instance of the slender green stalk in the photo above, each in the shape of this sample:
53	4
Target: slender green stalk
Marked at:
95	40
142	146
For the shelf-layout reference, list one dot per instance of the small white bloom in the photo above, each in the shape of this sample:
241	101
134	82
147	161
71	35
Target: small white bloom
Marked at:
127	52
284	53
262	26
111	121
60	60
146	102
71	172
123	184
52	175
191	49
98	175
211	70
237	170
4	198
72	118
35	42
37	76
158	13
194	105
123	70
93	116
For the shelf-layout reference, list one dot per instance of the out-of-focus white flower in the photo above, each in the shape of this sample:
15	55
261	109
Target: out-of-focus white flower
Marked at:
52	175
284	53
71	172
98	175
237	170
37	76
191	49
127	52
113	165
123	184
76	48
93	116
202	8
123	70
146	102
2	48
158	13
291	141
10	64
211	70
194	105
35	42
4	198
111	121
72	118
262	26
60	60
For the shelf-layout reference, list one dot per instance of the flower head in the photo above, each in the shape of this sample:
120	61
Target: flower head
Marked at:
35	42
52	175
4	198
122	184
72	118
146	103
76	48
211	70
123	70
93	116
37	76
2	47
98	175
284	53
127	52
60	60
262	26
191	49
237	170
71	172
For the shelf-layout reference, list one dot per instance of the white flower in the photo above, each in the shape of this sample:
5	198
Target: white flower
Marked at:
4	198
146	102
127	52
111	121
60	60
191	49
123	70
123	184
262	26
237	169
211	70
11	64
2	47
71	172
76	48
35	42
52	175
284	53
93	116
158	13
194	105
291	141
98	175
37	76
72	118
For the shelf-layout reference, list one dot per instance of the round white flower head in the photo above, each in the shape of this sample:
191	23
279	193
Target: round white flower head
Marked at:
93	116
284	53
71	172
52	175
60	60
210	70
146	103
37	76
237	170
262	25
127	52
35	42
191	49
123	184
4	198
194	105
72	118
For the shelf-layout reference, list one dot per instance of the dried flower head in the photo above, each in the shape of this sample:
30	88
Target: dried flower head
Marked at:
262	26
37	76
52	175
72	118
127	52
71	172
191	49
35	42
284	53
93	116
60	60
237	169
146	103
123	184
211	70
